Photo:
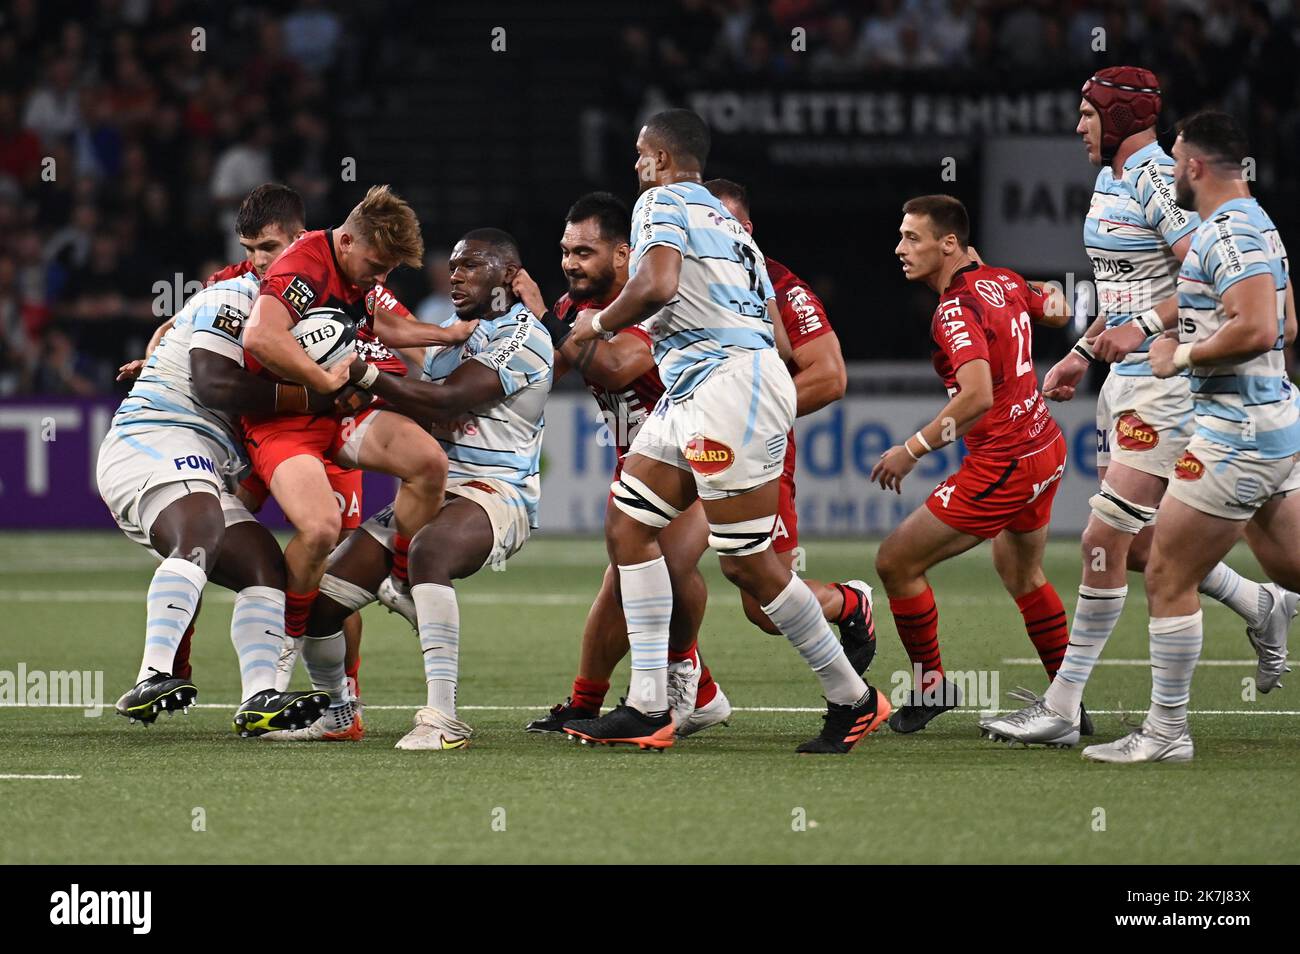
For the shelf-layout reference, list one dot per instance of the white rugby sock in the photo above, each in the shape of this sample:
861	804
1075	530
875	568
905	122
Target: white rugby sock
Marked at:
439	617
1244	597
1095	616
1175	648
173	599
797	614
323	656
648	608
257	630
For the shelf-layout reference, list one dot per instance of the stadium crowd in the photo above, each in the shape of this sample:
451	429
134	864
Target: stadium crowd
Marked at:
123	152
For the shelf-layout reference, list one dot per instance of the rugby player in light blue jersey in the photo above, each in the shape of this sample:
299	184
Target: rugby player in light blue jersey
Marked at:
165	470
484	401
1136	235
1241	471
700	286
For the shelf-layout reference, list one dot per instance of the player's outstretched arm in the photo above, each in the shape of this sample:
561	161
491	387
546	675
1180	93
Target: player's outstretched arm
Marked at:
653	286
820	377
408	333
224	385
268	339
471	385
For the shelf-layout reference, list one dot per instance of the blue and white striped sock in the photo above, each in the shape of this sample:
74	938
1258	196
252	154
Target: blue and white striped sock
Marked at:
648	608
797	614
438	614
1095	616
1244	597
172	601
257	630
1175	648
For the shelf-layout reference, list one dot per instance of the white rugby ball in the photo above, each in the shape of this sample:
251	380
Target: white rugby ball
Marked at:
327	335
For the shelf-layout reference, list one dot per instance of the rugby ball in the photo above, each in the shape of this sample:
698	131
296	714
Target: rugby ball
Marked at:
327	335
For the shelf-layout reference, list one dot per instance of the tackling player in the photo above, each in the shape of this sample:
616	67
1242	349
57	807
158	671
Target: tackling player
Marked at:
163	469
1003	491
685	246
1235	309
485	401
1136	236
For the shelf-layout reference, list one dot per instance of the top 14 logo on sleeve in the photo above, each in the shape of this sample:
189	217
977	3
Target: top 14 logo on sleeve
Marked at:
299	294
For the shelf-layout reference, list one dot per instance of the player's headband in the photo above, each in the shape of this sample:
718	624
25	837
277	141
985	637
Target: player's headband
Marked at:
1127	98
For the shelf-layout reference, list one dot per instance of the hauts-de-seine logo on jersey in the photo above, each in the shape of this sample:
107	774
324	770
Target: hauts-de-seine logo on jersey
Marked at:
1135	434
991	292
707	456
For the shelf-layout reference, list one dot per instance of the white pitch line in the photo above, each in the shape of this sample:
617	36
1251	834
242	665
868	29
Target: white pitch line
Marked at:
1028	661
14	778
539	708
225	596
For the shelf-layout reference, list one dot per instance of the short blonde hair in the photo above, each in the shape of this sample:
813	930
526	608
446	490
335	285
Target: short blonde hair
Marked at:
385	220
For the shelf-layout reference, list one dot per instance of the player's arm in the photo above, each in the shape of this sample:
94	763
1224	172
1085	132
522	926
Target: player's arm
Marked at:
778	331
398	332
268	339
131	370
972	401
820	377
1115	344
1055	311
652	287
612	364
472	384
1251	329
1064	377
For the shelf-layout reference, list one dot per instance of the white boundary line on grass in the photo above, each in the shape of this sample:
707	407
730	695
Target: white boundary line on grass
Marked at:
15	778
543	708
1028	661
225	596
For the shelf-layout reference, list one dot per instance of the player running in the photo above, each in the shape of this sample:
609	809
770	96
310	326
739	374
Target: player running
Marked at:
1003	491
710	348
1240	470
485	402
340	267
1136	236
163	470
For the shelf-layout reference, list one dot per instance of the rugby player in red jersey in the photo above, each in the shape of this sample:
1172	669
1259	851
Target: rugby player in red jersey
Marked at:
1004	488
341	267
817	367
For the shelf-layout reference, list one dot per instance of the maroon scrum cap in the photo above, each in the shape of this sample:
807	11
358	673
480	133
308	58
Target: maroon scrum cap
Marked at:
1128	100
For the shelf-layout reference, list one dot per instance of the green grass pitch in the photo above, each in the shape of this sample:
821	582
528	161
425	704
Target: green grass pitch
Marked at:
731	794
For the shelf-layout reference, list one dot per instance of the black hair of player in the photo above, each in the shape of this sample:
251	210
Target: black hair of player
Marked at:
610	212
1217	135
501	242
945	212
683	133
724	189
271	204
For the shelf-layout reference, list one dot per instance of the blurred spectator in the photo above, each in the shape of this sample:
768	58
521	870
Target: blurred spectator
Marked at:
54	108
20	149
838	51
243	165
59	369
312	35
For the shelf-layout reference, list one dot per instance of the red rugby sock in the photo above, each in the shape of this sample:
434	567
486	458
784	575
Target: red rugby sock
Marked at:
1046	625
588	693
401	544
917	620
296	610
